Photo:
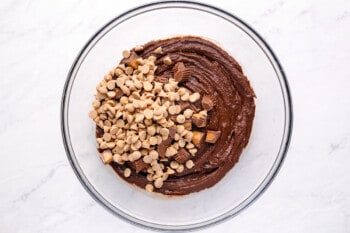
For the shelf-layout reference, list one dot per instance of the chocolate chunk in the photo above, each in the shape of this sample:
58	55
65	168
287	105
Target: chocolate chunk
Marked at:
173	117
182	156
212	136
163	146
118	93
99	131
161	79
179	67
194	108
161	150
184	105
138	165
208	102
172	131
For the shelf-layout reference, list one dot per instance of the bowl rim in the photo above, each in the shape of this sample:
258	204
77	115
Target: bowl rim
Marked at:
288	121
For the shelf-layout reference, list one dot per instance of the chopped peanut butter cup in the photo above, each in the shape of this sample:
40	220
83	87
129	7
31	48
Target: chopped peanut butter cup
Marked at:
208	102
139	165
132	60
199	120
182	156
161	79
212	136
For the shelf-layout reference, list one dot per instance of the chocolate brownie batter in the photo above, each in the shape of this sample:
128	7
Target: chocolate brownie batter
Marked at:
213	73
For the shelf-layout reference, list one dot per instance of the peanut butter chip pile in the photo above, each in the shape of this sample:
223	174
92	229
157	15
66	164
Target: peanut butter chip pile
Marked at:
147	120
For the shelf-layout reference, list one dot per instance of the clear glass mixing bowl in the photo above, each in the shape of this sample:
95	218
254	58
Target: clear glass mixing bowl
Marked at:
258	163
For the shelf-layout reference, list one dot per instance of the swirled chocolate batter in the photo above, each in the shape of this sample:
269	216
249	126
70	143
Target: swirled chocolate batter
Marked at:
192	110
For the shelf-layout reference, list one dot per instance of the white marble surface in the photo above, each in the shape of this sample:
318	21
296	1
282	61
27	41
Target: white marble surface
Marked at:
39	191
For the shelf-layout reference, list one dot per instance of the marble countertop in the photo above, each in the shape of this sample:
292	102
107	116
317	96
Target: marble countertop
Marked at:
39	191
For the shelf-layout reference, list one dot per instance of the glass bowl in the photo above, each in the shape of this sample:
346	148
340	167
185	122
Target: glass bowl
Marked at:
260	160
